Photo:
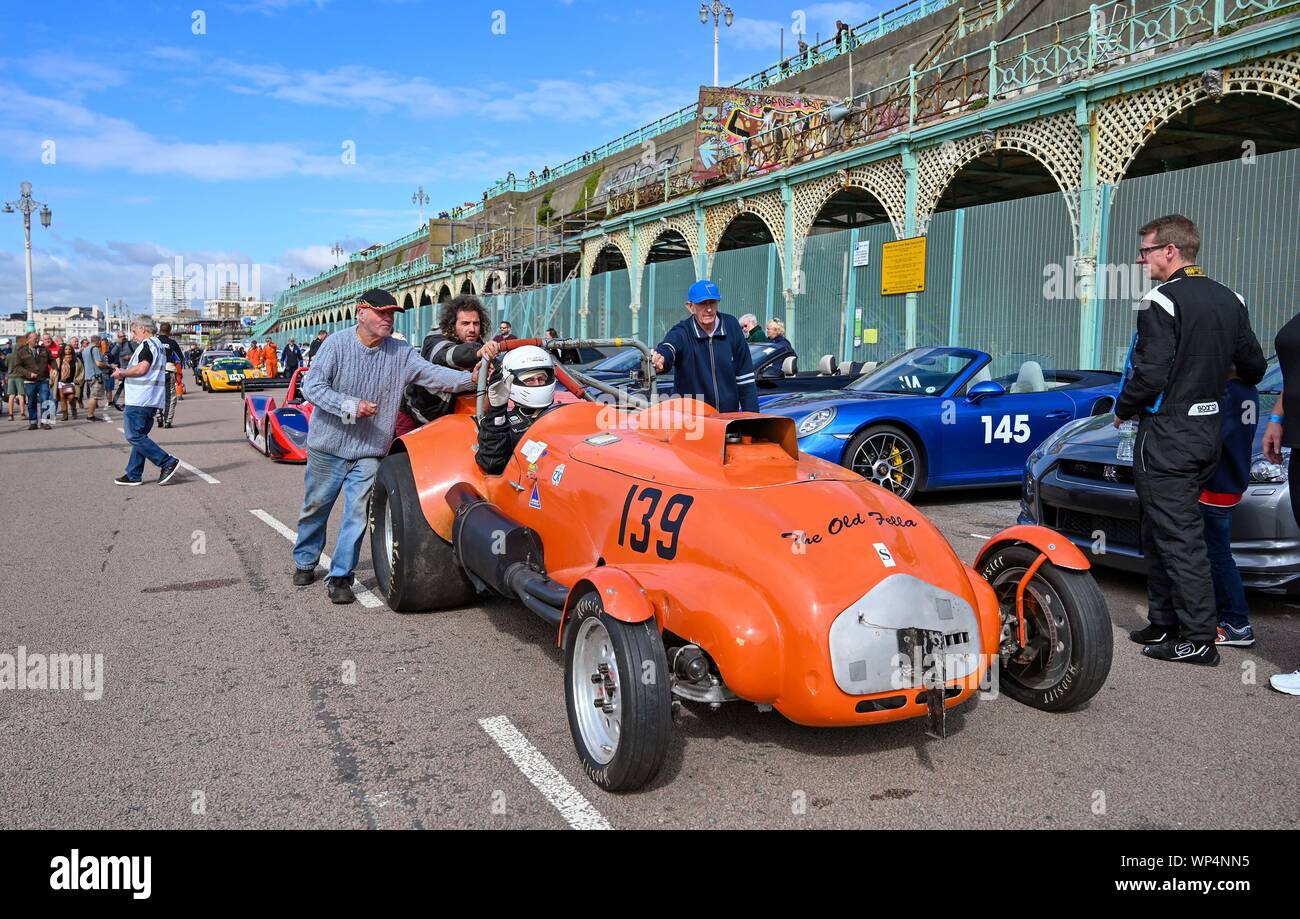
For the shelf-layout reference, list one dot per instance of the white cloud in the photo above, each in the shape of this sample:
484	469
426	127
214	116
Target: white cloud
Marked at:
75	73
92	140
758	34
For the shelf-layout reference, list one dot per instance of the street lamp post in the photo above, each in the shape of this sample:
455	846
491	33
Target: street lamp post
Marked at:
26	205
421	199
338	251
718	9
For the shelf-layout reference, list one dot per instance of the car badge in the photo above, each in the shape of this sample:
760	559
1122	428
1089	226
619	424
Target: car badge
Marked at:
603	440
535	500
557	475
532	471
1110	473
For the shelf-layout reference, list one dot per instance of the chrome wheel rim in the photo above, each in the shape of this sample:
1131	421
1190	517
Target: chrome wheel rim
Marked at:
389	553
595	690
888	460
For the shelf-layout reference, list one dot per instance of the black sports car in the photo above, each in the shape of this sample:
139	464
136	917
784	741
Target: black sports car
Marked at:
1074	484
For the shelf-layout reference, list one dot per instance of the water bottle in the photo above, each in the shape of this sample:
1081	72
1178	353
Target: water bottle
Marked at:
1128	432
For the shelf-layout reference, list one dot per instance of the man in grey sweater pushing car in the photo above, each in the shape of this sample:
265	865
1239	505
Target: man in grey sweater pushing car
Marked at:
356	383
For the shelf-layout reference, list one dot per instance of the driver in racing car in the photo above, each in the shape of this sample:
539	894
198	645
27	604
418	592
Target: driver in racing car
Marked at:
527	377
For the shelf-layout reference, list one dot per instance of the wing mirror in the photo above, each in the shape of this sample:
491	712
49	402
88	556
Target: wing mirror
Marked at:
981	391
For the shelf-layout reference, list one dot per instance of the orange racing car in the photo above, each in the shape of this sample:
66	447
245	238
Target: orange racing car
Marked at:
637	530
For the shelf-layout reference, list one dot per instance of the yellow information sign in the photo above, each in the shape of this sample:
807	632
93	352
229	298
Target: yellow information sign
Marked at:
902	266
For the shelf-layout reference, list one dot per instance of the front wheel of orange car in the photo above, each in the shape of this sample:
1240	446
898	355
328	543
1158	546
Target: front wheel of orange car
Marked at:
1066	655
415	568
618	695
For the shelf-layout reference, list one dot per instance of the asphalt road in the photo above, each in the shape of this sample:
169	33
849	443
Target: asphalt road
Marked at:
232	699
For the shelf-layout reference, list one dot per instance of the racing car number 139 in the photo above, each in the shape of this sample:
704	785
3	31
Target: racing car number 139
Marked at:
638	538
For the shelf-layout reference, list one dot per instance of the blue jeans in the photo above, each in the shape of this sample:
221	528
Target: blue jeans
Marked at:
137	421
38	394
1229	594
326	476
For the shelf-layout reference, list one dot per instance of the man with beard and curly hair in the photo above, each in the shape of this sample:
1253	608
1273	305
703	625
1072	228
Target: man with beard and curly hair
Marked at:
458	344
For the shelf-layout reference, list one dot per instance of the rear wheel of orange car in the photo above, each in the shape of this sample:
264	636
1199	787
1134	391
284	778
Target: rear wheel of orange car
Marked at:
1068	638
617	694
414	567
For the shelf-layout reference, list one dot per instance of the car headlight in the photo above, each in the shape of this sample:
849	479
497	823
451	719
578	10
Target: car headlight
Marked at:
1262	471
813	423
1056	440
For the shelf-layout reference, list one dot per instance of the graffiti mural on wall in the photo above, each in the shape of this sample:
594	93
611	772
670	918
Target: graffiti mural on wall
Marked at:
757	125
652	160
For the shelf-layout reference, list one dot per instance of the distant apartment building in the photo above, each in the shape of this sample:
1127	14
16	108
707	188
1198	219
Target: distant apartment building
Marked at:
169	296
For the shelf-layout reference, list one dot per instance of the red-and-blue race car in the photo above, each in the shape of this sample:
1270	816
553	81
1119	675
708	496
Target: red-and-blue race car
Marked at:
278	431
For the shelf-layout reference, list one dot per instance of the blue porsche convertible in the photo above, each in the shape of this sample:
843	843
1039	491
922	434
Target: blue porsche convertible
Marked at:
936	418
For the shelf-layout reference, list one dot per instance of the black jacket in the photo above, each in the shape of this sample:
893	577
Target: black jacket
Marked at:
424	405
174	352
1190	331
292	357
715	368
499	432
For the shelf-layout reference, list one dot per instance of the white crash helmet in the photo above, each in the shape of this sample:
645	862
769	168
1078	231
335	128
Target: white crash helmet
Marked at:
521	362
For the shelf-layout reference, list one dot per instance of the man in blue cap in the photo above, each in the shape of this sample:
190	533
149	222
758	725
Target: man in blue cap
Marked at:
709	355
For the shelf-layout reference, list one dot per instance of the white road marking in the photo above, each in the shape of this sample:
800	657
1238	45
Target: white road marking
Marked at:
199	472
981	536
364	596
194	469
573	807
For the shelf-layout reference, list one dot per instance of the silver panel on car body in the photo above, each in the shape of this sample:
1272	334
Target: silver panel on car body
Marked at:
865	639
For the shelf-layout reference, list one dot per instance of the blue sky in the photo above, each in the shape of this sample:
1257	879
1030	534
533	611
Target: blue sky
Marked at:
221	140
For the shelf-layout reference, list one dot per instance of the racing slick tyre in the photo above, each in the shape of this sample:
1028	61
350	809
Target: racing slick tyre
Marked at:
889	457
617	694
266	435
414	567
1068	638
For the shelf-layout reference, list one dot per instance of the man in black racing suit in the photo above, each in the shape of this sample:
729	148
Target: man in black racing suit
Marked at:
1190	332
527	377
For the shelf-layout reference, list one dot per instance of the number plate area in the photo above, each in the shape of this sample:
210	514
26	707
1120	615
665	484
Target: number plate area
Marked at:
876	643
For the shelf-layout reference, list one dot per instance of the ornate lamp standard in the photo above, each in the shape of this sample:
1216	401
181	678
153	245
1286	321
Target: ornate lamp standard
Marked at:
25	205
718	9
420	199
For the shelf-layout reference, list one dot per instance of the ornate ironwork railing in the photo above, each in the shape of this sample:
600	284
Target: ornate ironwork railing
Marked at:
1104	36
343	293
842	43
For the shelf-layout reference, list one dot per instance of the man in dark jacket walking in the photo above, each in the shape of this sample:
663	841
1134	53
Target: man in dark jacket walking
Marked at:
32	362
315	345
292	356
709	355
1191	331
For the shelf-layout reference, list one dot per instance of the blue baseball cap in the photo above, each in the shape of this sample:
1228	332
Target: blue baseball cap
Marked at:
703	290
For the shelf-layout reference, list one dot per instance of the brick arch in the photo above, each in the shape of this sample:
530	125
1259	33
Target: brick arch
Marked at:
1126	123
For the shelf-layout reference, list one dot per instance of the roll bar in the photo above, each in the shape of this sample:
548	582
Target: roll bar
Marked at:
575	381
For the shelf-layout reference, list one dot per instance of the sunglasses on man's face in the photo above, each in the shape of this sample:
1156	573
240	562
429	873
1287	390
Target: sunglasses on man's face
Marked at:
1144	251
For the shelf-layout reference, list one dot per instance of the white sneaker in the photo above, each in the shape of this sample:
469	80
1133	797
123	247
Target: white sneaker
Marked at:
1288	683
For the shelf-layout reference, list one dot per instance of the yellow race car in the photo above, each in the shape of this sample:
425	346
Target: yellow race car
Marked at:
227	374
